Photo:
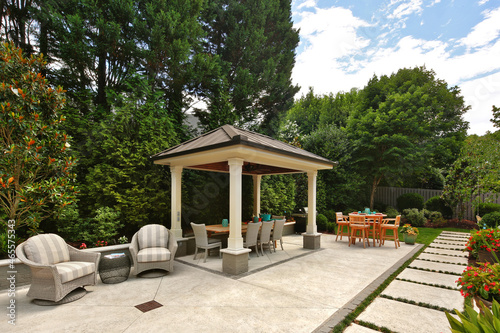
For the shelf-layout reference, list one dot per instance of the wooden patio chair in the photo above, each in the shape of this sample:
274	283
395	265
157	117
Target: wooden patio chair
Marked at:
390	226
359	229
341	223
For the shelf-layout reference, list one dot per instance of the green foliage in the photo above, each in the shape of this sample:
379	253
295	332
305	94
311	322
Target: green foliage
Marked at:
404	122
410	200
415	217
438	204
277	194
496	116
104	225
486	321
321	222
331	215
484	208
491	220
36	169
120	173
312	112
392	212
476	171
249	53
338	187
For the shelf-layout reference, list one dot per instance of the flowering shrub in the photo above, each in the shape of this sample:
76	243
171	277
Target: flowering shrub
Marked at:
485	239
409	230
101	243
481	281
83	246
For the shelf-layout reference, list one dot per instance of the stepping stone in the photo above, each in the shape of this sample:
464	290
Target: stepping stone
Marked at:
449	236
432	278
456	233
445	241
442	258
446	252
438	266
454	240
448	246
444	298
403	317
355	328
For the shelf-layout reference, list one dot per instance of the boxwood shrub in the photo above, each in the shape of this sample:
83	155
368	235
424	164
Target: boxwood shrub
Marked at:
486	208
410	200
491	220
437	204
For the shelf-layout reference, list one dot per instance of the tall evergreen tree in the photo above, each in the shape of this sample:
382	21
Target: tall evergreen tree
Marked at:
252	50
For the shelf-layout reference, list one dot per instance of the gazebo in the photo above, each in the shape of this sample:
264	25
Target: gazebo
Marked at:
240	152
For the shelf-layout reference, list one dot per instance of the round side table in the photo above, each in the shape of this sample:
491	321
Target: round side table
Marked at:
114	269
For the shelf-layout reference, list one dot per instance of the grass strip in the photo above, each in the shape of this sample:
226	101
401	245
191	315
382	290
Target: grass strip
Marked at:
363	305
421	304
428	284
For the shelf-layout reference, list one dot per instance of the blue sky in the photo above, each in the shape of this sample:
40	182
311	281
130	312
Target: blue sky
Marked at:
343	43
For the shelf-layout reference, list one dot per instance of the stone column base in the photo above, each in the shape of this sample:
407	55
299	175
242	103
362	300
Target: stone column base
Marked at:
235	262
311	241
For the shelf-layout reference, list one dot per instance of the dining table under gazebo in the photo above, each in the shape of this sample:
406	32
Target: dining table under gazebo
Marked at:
241	152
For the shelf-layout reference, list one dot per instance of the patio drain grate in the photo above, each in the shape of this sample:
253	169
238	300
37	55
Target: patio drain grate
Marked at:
148	306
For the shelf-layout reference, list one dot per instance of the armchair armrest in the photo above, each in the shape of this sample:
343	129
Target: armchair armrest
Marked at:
172	243
79	255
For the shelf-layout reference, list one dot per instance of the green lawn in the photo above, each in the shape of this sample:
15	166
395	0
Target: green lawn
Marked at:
427	235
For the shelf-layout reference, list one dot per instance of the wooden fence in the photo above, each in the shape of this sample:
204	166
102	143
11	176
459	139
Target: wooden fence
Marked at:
389	195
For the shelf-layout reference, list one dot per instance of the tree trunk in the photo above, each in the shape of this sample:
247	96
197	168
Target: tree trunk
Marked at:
376	181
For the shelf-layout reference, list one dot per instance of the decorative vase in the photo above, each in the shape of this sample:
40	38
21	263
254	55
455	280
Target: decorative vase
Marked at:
485	256
410	239
225	223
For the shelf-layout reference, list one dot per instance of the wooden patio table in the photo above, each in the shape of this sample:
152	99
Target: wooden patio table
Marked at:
375	220
219	229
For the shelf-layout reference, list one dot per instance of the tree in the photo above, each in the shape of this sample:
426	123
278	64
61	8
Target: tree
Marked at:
405	122
475	172
36	177
250	50
496	117
336	187
121	175
312	112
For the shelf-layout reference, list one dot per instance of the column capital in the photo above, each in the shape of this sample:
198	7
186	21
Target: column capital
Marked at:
235	161
312	173
176	168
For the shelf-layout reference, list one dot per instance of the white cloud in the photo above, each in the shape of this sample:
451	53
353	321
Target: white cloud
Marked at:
481	94
485	31
482	2
307	4
342	51
408	8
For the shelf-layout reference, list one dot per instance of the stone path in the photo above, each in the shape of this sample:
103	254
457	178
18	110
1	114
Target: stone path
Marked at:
416	300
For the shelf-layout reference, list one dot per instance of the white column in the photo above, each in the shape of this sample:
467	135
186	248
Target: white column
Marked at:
311	202
256	194
235	241
176	199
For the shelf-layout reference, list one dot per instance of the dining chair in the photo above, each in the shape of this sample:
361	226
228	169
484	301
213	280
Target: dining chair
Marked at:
341	223
202	240
277	234
265	236
252	235
359	228
385	225
375	221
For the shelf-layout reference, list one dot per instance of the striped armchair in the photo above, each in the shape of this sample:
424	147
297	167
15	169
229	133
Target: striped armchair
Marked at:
153	247
56	267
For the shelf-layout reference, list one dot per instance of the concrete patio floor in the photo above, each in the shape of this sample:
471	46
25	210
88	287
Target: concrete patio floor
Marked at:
295	290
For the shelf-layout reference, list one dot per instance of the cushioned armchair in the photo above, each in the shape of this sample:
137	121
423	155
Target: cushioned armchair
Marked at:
56	267
153	247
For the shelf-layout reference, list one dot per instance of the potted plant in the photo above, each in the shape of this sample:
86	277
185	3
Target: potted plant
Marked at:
481	282
484	244
410	234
